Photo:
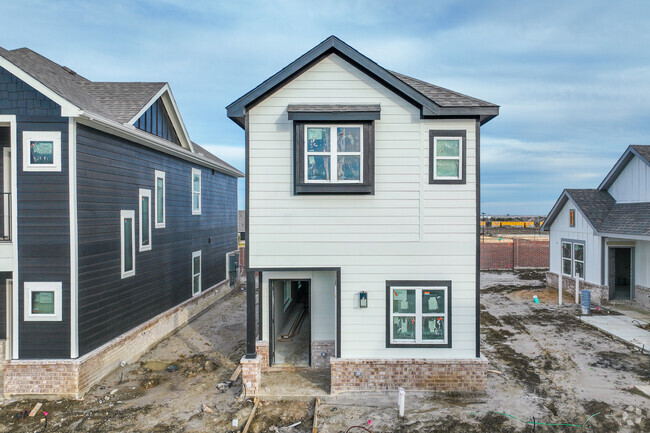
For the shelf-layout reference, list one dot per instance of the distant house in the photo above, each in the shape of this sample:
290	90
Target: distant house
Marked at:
112	218
603	234
362	225
241	224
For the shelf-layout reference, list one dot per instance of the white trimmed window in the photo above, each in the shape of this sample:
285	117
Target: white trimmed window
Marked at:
328	162
127	229
419	315
145	219
196	273
41	151
447	158
196	191
43	302
573	258
159	196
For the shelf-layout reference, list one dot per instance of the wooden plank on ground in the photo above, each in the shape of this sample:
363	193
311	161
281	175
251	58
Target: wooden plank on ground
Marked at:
250	417
316	406
36	409
235	375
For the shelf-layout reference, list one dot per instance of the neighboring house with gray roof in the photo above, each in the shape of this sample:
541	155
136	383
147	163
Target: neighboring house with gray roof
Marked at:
111	218
603	234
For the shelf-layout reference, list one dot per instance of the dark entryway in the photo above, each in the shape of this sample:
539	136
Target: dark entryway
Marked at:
290	324
620	273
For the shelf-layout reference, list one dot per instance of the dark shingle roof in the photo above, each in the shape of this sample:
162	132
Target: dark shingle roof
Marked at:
440	95
199	150
607	216
122	100
114	101
628	218
336	108
594	204
643	151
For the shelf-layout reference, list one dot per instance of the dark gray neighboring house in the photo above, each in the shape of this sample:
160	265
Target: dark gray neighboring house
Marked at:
111	214
603	234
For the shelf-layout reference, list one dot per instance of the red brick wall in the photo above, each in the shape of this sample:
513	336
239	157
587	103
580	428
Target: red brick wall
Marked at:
513	254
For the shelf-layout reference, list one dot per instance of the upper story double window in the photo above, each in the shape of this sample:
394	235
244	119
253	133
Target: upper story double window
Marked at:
333	154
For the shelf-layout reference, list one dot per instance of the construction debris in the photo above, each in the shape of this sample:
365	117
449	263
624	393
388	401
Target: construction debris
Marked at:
36	408
250	417
293	323
316	406
235	375
206	409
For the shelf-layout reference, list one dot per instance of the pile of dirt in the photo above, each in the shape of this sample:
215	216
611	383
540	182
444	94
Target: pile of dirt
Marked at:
276	416
531	274
633	362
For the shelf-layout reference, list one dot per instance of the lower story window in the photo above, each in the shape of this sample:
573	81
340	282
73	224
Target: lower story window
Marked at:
573	258
418	313
127	230
196	272
42	301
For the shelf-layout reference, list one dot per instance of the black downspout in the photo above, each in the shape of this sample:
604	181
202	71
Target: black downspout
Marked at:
250	315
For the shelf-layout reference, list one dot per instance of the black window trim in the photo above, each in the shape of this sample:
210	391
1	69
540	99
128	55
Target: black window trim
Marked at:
366	187
418	283
448	133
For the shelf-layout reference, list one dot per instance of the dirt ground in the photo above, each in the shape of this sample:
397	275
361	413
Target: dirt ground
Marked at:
552	368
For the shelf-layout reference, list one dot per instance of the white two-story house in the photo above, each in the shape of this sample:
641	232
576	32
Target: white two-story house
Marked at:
603	234
362	211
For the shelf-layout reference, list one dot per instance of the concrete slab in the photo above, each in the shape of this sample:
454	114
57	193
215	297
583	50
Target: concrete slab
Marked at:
632	311
622	327
301	384
644	389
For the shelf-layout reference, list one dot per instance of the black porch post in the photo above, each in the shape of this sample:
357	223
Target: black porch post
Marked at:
250	315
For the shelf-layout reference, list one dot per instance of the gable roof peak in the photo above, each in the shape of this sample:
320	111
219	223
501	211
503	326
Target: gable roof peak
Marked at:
432	100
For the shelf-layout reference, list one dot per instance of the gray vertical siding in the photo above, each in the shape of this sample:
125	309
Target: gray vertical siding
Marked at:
43	218
110	172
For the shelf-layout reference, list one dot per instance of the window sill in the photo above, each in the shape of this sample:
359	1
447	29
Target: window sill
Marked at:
305	189
420	345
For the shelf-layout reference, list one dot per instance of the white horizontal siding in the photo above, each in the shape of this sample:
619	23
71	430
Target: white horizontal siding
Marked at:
408	230
633	184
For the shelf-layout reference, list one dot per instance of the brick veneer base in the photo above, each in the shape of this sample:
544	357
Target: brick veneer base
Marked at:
251	375
318	348
262	349
74	377
599	294
642	296
465	375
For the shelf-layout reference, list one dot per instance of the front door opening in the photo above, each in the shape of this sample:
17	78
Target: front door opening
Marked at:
290	323
620	278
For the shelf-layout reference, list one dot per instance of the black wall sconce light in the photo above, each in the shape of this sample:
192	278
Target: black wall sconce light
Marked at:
363	300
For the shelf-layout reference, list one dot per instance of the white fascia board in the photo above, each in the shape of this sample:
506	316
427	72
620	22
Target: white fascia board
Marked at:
169	102
623	236
131	133
68	109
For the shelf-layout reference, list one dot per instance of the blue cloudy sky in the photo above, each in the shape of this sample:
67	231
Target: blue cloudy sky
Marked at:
572	77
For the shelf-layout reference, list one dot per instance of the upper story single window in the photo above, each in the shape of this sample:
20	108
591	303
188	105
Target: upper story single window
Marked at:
447	156
127	230
159	212
145	220
196	191
41	151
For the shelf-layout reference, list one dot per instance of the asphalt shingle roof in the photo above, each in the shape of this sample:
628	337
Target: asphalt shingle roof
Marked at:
644	151
607	216
116	101
440	95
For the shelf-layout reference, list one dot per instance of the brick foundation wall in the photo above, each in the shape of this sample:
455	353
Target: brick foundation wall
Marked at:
262	350
465	375
515	254
642	296
74	377
251	375
317	350
599	294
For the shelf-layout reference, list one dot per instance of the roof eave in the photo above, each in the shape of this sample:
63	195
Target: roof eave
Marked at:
131	133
